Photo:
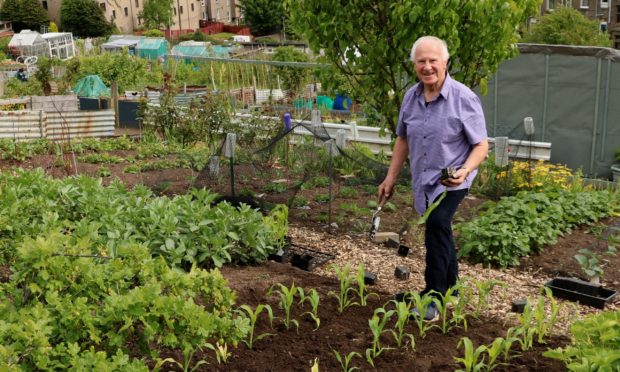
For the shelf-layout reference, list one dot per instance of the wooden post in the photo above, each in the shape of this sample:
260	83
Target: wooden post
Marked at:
114	93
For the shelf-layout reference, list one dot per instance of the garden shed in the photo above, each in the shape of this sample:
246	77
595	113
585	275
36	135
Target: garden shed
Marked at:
28	43
152	47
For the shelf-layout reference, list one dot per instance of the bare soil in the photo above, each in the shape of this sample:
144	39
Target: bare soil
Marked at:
346	239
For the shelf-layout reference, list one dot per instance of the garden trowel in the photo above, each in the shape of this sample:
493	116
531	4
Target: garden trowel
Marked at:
374	224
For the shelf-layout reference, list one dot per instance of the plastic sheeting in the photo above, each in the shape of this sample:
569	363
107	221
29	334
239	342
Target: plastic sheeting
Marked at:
571	93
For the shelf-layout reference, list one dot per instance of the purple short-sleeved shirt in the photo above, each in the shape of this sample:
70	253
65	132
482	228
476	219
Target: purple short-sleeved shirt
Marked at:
439	135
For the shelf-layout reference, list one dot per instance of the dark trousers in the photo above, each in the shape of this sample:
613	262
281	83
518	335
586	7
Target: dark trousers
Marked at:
441	265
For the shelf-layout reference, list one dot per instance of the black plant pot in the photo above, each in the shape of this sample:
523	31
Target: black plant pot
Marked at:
403	250
585	293
370	278
303	261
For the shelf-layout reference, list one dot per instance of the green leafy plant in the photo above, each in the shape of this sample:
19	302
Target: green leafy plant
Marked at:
443	302
275	187
104	172
221	352
520	225
347	192
346	361
484	288
594	344
253	317
421	303
590	263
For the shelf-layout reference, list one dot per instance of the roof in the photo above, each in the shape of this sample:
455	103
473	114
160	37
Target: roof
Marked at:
26	37
120	43
52	35
151	43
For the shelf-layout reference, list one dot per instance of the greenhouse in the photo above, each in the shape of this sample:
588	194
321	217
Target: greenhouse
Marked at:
200	49
60	44
28	43
116	43
152	47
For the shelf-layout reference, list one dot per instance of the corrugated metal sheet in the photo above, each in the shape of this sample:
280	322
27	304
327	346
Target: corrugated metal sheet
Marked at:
20	124
80	124
68	124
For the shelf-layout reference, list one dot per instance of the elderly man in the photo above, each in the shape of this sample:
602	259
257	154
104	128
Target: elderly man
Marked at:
441	125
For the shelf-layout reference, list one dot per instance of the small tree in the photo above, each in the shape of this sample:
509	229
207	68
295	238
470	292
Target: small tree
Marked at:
368	42
24	14
567	26
84	18
263	16
156	13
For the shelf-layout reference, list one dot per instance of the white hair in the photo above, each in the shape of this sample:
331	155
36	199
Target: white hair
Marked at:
444	47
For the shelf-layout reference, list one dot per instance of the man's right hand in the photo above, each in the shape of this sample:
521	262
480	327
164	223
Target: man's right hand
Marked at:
385	188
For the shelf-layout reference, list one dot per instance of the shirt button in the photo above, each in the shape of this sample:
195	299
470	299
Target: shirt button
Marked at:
424	154
424	136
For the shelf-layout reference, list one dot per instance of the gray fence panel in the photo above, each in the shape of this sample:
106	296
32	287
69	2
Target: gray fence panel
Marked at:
573	100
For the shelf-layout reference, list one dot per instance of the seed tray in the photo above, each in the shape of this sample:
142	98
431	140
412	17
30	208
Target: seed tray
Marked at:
305	258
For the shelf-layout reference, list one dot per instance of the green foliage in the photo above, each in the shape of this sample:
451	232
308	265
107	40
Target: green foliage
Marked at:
67	298
130	72
520	225
293	78
156	13
14	88
263	16
348	192
314	299
24	14
595	344
591	264
403	312
84	18
44	74
567	26
100	159
153	33
208	119
14	150
185	230
371	49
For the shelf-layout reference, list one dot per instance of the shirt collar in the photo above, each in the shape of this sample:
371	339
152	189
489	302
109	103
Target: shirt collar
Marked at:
445	89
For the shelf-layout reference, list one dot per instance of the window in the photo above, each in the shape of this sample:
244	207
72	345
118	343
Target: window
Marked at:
602	26
175	11
113	14
192	7
604	4
550	4
102	5
181	10
137	4
584	4
44	3
126	12
618	13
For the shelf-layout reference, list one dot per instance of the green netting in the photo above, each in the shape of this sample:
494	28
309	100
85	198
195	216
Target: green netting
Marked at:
152	48
324	102
91	86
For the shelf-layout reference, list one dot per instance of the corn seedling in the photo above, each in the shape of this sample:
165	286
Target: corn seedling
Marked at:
346	361
377	328
402	311
314	299
287	297
484	288
472	360
442	302
422	303
544	324
459	306
361	286
345	287
221	352
494	350
253	315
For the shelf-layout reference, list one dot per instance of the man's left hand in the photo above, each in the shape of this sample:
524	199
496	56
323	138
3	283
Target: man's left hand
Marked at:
457	178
